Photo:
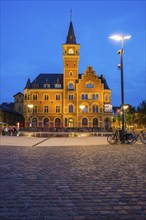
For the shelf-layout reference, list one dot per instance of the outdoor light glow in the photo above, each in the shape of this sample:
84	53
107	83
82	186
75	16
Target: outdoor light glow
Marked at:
30	106
82	106
120	37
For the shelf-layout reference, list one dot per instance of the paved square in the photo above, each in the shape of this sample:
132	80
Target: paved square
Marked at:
73	182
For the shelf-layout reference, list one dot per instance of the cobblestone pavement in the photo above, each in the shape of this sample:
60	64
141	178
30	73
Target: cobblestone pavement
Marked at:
73	183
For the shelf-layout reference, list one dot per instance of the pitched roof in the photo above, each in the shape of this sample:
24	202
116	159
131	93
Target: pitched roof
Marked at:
47	78
53	79
71	39
103	80
28	84
9	105
18	93
6	108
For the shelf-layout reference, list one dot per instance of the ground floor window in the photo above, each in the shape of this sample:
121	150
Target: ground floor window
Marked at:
46	121
95	122
57	122
84	122
34	122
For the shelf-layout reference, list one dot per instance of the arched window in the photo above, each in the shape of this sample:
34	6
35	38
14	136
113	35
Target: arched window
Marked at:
70	74
71	86
46	121
85	109
84	97
94	108
95	96
57	122
84	122
95	122
70	108
34	122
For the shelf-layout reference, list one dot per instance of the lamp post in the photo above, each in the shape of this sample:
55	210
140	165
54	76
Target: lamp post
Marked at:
120	67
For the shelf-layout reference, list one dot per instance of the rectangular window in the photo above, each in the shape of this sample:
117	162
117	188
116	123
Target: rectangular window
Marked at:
57	108
35	109
57	97
90	85
46	108
71	97
46	85
57	86
34	97
46	97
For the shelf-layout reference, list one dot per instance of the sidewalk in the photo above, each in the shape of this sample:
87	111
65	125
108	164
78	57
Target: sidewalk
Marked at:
59	141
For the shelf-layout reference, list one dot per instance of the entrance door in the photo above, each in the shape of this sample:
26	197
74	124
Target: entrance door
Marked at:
70	123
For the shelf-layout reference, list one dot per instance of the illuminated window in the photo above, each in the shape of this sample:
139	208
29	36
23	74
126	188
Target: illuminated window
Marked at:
70	73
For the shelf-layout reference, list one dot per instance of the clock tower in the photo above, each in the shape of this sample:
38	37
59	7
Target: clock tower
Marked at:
70	76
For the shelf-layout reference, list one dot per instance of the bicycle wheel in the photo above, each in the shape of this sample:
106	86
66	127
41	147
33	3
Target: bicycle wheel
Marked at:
136	138
112	139
129	138
143	138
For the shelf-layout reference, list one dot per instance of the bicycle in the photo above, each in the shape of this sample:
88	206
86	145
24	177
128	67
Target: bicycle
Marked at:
116	137
140	137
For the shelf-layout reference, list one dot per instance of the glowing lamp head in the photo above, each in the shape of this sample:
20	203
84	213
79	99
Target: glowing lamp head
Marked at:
82	107
30	106
120	37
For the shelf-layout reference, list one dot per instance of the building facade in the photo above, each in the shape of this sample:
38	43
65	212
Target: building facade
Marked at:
68	99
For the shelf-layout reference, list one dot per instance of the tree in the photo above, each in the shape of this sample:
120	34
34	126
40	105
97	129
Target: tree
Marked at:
141	114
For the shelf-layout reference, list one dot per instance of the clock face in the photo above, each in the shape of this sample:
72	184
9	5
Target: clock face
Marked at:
70	51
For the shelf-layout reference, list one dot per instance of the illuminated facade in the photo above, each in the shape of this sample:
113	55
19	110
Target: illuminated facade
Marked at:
69	99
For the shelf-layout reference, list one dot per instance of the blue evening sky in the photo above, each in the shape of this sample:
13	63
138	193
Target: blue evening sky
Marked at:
32	34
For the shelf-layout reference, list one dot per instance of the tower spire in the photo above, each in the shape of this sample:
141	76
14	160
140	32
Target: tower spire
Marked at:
71	15
71	39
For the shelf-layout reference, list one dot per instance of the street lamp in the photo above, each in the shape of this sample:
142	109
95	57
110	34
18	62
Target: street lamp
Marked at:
120	67
82	107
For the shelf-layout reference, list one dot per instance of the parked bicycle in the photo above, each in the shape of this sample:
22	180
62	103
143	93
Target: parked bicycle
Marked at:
116	137
140	137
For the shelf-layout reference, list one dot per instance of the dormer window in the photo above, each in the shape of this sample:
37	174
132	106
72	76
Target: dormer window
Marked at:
35	85
57	86
46	85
